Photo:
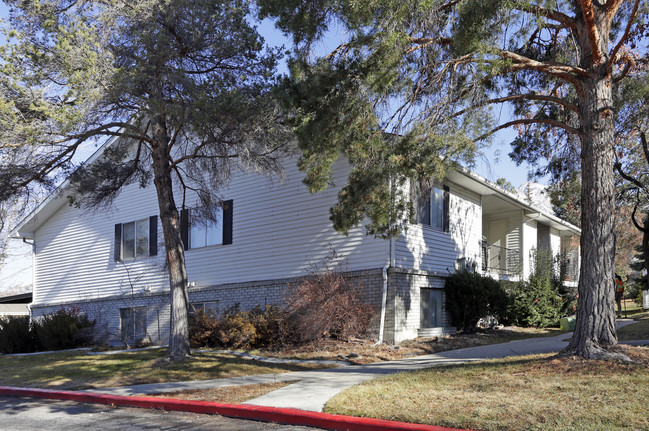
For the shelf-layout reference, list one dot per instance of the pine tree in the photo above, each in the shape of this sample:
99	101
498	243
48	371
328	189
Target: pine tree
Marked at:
184	86
435	72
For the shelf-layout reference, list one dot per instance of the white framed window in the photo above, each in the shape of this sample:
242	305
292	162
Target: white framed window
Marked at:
197	232
203	233
432	208
136	239
208	307
133	323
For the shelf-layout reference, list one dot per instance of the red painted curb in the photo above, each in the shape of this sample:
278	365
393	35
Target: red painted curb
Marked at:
260	413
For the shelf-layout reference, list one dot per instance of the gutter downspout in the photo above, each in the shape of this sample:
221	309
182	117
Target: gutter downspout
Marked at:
384	299
33	244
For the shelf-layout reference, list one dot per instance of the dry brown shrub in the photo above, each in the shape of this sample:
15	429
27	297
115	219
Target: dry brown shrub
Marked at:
326	304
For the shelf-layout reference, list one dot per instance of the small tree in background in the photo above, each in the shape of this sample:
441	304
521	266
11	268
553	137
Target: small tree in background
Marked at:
635	285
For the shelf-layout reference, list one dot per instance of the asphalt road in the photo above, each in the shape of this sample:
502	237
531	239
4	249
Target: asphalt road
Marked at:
27	414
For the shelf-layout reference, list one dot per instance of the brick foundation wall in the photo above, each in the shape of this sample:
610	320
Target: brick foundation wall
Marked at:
404	293
106	311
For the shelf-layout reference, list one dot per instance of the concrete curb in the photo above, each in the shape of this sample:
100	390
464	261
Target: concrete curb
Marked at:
265	414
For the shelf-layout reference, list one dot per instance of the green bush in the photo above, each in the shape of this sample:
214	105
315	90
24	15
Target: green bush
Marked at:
471	296
534	303
17	335
66	328
542	300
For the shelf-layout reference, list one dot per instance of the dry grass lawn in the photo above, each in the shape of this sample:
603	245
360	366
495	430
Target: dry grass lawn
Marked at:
77	370
522	393
229	394
369	352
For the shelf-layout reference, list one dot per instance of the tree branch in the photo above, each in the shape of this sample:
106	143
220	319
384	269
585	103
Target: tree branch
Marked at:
522	97
612	59
635	222
423	42
547	13
633	180
612	7
548	121
629	62
587	9
559	70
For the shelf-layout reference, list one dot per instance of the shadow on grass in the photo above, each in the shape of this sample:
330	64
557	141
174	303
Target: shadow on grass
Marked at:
72	370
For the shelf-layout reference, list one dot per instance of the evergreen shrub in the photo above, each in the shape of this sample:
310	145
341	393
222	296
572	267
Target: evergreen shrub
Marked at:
16	335
471	296
66	328
544	299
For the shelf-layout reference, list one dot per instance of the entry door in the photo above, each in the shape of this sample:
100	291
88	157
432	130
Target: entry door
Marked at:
498	237
431	308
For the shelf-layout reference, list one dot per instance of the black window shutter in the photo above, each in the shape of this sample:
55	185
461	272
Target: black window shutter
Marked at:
423	209
446	209
184	228
117	253
153	236
227	221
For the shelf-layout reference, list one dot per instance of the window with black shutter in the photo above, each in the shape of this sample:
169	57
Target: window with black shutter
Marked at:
136	239
197	232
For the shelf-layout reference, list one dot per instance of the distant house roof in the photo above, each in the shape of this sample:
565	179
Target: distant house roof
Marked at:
21	298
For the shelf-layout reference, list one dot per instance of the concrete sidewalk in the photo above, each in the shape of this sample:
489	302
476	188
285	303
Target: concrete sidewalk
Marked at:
314	388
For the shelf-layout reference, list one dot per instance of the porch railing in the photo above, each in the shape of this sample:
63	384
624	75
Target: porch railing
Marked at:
500	260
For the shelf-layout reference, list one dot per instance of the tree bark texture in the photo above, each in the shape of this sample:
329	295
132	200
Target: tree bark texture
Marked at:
170	219
595	326
645	248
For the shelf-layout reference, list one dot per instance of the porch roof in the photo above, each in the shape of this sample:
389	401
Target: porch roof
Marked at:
496	199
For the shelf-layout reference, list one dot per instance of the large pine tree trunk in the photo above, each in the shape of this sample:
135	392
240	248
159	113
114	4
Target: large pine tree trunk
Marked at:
645	249
595	326
170	219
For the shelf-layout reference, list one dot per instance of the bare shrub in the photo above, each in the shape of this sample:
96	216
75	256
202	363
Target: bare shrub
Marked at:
326	304
237	329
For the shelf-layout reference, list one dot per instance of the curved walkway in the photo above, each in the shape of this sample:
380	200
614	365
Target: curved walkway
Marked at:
314	388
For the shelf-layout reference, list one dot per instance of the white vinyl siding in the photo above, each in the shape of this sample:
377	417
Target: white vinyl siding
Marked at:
279	231
74	252
425	248
530	247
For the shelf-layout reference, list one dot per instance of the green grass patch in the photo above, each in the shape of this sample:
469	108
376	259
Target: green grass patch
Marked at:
631	309
523	393
78	370
634	331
